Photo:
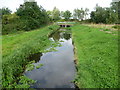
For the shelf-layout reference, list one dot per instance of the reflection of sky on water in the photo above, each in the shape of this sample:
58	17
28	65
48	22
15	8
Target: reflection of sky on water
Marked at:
58	70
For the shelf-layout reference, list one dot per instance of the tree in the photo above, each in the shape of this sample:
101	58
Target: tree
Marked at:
62	14
55	14
10	23
105	15
82	14
67	15
92	15
115	8
49	13
5	11
119	12
78	14
32	15
100	15
86	12
75	14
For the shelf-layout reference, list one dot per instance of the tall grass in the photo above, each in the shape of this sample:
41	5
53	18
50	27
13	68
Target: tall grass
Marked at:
97	57
16	49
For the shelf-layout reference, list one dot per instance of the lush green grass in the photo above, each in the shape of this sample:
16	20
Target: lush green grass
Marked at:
16	49
97	57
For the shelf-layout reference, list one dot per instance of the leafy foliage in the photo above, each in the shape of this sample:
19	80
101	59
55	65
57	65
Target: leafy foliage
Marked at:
78	14
11	23
67	15
32	15
5	11
28	16
39	66
105	15
55	14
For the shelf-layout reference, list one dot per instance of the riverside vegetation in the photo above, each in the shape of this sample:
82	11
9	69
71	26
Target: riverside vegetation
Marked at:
97	57
16	49
96	52
96	47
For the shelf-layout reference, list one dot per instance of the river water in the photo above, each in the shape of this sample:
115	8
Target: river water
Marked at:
58	70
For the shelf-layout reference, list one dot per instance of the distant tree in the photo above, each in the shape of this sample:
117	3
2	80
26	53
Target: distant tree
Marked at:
67	15
32	15
105	15
119	12
100	15
5	11
115	11
86	12
49	13
78	14
61	14
82	14
55	14
92	15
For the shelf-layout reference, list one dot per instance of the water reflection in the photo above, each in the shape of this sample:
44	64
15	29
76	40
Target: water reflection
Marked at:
60	35
58	68
67	36
35	57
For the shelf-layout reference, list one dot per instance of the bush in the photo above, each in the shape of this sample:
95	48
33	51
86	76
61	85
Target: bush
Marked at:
11	23
116	27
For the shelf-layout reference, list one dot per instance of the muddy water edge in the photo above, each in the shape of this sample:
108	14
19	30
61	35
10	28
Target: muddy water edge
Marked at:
58	70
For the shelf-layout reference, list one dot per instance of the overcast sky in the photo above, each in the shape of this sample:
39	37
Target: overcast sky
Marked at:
62	5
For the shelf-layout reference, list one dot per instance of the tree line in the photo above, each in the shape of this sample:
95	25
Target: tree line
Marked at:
27	17
30	16
107	15
78	14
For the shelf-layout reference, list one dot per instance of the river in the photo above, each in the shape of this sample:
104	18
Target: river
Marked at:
58	70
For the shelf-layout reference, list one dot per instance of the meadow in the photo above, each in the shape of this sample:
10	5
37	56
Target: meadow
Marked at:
15	51
97	57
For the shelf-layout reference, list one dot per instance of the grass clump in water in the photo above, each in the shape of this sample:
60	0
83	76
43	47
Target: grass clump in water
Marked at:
39	66
29	67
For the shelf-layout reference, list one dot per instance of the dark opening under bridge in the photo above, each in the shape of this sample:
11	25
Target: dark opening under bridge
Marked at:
65	24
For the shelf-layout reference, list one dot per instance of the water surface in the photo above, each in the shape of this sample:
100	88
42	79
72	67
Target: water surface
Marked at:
58	68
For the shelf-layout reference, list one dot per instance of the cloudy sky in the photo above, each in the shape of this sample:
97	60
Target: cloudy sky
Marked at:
62	5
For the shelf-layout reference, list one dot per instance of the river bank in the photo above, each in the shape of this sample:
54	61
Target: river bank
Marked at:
16	48
97	57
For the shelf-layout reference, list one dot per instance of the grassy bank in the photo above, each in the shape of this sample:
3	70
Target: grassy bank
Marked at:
97	57
16	48
107	28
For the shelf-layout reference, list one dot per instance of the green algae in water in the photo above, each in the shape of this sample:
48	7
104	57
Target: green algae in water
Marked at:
39	66
30	67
